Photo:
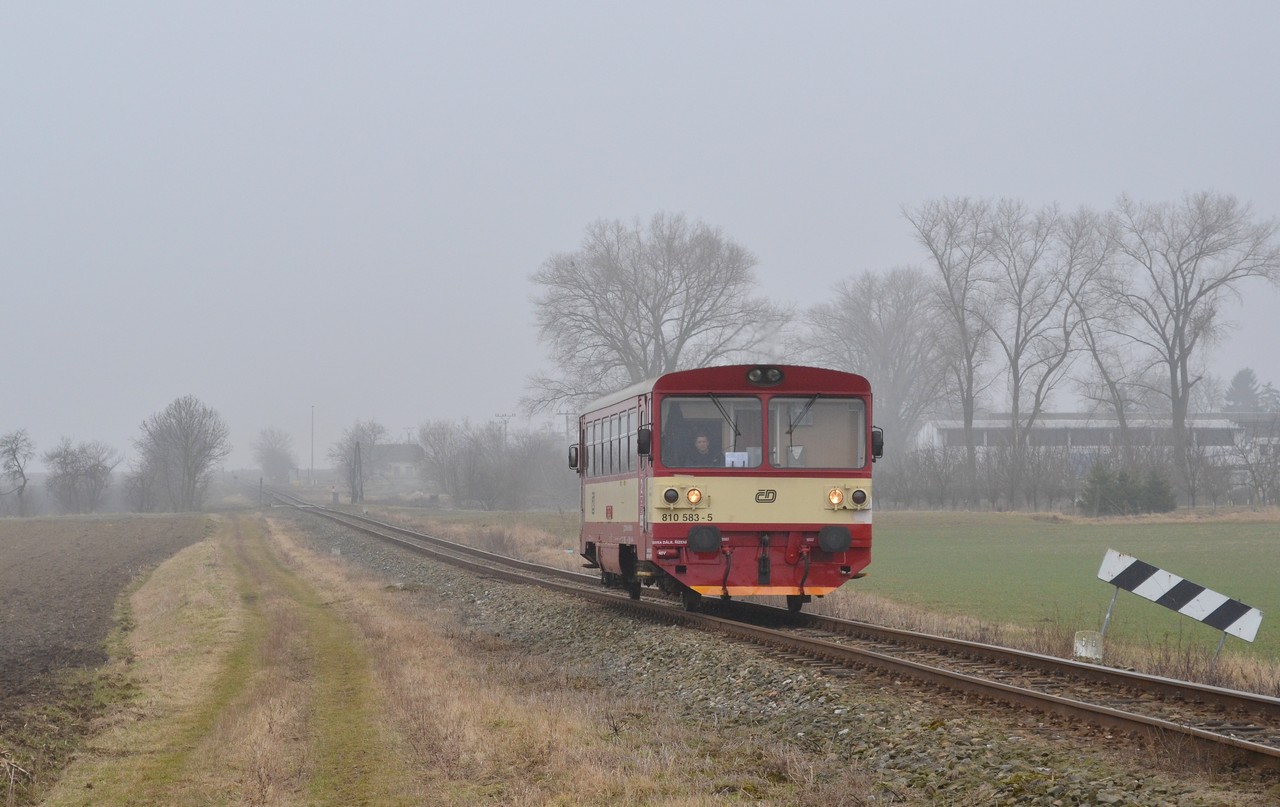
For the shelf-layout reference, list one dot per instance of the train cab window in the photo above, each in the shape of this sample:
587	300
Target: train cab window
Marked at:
711	431
817	432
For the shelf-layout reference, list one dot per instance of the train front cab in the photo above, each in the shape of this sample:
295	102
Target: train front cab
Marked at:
783	508
778	505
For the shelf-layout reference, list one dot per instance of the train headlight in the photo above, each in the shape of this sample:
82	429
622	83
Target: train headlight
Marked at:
694	495
671	496
765	376
848	498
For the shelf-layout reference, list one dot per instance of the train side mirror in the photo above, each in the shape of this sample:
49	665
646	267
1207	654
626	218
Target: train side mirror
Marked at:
573	457
644	441
877	443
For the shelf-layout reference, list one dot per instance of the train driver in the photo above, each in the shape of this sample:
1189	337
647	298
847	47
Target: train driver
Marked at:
703	456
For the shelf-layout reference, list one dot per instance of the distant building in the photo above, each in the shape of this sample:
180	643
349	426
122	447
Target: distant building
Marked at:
1086	436
399	460
1083	431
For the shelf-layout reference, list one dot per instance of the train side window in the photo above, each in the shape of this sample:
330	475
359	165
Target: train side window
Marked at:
619	462
593	465
611	424
630	438
616	460
617	444
601	456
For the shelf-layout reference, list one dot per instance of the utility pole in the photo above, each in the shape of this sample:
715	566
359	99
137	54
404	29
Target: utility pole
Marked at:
357	479
311	472
569	426
504	419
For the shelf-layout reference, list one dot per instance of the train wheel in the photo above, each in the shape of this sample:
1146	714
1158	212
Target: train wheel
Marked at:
690	599
633	588
795	602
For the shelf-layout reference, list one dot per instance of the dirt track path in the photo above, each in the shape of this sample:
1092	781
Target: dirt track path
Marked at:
260	692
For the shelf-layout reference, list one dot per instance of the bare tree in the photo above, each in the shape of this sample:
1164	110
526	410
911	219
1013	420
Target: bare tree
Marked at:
142	487
274	454
468	463
880	325
16	451
1179	262
1114	382
180	448
484	467
79	475
1038	261
957	235
1258	455
1269	398
444	448
356	454
541	479
634	302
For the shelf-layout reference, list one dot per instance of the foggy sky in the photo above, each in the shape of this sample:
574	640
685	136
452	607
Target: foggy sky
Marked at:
275	206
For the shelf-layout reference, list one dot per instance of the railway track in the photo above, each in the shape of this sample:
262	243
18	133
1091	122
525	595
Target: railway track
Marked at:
1237	727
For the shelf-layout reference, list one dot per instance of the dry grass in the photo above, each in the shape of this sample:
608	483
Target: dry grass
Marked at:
1056	637
250	692
13	775
483	721
546	538
271	674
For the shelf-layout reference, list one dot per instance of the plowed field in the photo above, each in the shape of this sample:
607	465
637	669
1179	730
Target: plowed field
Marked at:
59	580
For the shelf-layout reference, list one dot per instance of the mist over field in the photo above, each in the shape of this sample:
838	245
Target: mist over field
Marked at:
311	217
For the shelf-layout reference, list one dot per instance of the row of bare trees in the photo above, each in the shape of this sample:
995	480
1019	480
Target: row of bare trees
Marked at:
1009	306
479	466
178	451
487	467
1137	292
77	475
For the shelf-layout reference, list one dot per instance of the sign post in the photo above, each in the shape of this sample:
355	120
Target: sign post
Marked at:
1178	594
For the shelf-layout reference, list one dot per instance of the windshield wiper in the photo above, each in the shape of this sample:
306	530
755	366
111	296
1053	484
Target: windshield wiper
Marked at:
796	420
736	434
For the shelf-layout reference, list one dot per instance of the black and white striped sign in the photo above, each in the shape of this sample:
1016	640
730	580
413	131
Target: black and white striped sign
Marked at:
1187	598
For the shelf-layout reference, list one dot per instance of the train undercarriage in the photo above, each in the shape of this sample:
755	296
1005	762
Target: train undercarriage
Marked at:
633	575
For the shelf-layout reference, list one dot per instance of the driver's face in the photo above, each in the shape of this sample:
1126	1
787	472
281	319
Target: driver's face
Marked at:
703	444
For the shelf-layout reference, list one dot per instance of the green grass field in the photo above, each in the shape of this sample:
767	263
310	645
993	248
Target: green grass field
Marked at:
1020	569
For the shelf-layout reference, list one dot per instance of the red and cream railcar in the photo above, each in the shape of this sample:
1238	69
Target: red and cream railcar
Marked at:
729	481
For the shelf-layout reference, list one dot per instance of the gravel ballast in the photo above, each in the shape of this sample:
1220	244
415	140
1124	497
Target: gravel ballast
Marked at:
917	745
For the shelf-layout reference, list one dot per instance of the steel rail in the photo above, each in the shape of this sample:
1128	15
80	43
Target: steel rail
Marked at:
497	566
